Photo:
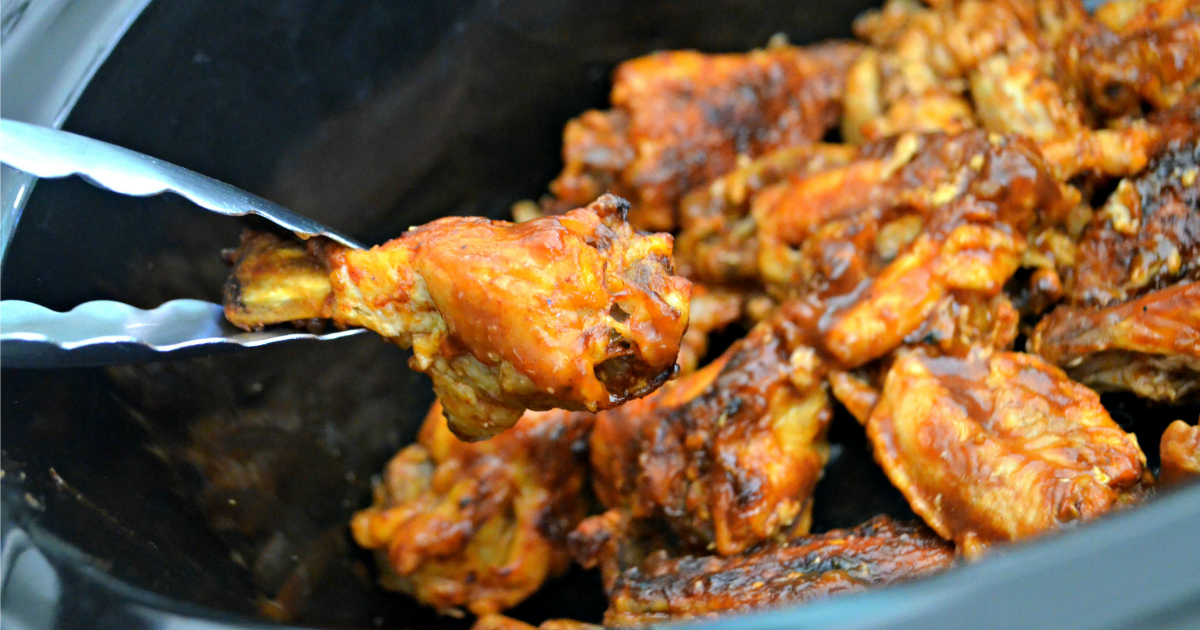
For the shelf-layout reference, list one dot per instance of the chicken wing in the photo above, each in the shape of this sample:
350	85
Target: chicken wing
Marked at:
886	239
479	525
1180	453
575	311
682	118
1148	61
1133	315
728	456
657	588
999	447
1149	345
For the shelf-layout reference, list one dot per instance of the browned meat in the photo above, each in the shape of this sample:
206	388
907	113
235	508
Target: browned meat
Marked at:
682	118
727	456
999	447
1180	453
657	588
1149	345
479	525
575	311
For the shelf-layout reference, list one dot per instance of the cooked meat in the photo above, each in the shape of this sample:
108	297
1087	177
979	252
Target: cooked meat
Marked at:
1180	453
886	239
1149	345
1132	321
999	446
1148	62
658	588
728	456
682	118
479	525
718	239
575	311
961	64
712	309
1147	235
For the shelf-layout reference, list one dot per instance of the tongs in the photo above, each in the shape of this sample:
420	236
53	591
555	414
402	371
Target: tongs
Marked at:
105	332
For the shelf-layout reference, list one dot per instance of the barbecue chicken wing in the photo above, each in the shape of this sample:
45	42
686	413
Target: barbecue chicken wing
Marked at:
728	456
1149	346
1133	315
479	525
656	588
682	118
999	446
887	239
1180	453
575	311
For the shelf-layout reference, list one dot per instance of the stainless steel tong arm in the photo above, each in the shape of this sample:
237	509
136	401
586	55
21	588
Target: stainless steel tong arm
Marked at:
105	332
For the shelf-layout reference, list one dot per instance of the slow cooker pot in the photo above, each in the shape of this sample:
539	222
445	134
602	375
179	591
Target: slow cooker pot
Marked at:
213	492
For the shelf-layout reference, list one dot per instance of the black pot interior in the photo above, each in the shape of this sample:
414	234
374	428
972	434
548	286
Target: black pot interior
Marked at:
224	480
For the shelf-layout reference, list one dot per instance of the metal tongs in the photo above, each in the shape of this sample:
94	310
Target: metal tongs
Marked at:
106	332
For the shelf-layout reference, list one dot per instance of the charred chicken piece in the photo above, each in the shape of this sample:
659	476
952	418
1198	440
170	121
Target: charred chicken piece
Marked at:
1144	60
682	118
657	588
1147	234
1149	346
999	447
728	456
479	525
1132	321
1180	453
575	311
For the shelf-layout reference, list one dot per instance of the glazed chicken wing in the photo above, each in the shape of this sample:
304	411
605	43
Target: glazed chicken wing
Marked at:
999	446
479	525
656	588
887	239
575	311
1180	453
1133	317
727	456
682	118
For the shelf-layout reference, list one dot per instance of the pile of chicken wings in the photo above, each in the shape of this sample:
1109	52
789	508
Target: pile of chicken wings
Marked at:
959	228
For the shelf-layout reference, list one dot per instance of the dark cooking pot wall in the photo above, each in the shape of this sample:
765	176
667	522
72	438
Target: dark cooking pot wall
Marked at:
226	481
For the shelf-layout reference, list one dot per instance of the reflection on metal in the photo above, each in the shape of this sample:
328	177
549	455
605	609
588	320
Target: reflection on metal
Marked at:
29	602
104	333
50	50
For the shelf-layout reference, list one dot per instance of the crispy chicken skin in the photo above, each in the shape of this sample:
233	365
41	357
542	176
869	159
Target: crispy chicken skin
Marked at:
479	525
1180	454
658	588
728	456
682	118
575	311
999	446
